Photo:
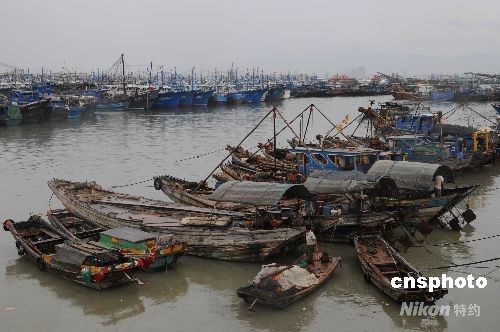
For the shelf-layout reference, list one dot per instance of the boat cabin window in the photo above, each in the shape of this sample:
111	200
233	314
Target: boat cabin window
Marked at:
320	158
362	160
333	158
346	163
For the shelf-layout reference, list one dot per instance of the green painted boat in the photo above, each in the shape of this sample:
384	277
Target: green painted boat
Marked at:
10	115
158	251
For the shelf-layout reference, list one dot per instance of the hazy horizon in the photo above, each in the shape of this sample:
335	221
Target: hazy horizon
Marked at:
317	36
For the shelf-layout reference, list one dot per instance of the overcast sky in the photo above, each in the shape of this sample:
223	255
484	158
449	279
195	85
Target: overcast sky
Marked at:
322	36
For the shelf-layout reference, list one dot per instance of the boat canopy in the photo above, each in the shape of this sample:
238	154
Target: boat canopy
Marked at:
412	175
69	255
259	193
327	182
78	253
129	234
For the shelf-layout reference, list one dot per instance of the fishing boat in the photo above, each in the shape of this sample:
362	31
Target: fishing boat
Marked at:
111	105
82	263
57	110
280	286
72	227
380	263
167	99
277	94
442	95
157	251
212	233
253	96
10	115
142	97
416	192
235	97
248	196
218	98
201	98
35	111
186	99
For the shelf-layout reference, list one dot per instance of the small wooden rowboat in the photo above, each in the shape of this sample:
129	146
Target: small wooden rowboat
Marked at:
269	291
380	263
82	263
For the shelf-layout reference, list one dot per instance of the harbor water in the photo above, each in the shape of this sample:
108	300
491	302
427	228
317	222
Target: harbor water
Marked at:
120	148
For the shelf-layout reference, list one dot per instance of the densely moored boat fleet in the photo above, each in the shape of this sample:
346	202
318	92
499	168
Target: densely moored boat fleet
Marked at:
376	192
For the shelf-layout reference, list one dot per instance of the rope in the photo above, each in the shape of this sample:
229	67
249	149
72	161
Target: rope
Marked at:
175	162
199	155
459	242
133	184
465	264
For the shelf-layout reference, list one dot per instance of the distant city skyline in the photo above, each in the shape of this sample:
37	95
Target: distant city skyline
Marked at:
317	36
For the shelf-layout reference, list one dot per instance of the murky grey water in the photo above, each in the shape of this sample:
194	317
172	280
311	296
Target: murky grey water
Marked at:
122	148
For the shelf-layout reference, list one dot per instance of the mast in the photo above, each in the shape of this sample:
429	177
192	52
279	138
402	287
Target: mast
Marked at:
123	73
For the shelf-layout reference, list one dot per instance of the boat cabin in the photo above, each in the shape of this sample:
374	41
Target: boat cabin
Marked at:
356	159
420	123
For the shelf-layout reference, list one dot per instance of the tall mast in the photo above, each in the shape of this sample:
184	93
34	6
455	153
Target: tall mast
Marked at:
123	73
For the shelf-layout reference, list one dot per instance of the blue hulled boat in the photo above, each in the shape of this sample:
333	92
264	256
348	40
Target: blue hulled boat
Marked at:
275	94
445	95
253	96
186	99
168	99
218	98
201	98
75	111
235	97
113	106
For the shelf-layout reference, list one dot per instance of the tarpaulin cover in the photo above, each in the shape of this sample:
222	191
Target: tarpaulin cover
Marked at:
328	182
411	175
258	193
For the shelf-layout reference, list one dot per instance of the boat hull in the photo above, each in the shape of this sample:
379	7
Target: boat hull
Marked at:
201	98
186	99
112	106
252	294
168	100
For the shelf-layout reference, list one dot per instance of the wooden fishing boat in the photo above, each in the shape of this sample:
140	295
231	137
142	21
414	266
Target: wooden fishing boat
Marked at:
380	263
344	228
156	251
72	227
267	289
82	263
329	228
212	233
182	191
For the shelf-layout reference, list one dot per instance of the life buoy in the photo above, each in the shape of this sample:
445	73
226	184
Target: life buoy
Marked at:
158	184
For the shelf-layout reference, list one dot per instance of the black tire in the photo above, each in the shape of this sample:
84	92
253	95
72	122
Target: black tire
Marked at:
158	184
21	251
41	264
367	278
